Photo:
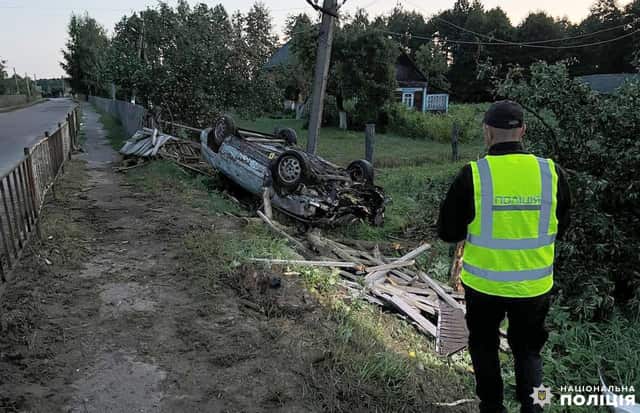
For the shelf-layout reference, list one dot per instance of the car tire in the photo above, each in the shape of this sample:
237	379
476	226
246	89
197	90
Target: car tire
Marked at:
289	136
361	171
289	171
225	126
208	138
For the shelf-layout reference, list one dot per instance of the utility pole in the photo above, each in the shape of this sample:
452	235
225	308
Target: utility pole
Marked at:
321	73
15	76
26	80
62	81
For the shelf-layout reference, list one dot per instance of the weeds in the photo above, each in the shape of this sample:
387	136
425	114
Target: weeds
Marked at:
115	133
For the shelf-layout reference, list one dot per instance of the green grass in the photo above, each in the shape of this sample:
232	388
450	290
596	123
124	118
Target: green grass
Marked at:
196	191
391	150
115	133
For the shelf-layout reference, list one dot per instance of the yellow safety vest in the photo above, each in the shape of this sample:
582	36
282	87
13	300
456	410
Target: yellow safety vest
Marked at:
510	244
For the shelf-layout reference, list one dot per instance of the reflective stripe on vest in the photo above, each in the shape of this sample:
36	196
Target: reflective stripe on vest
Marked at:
523	275
485	239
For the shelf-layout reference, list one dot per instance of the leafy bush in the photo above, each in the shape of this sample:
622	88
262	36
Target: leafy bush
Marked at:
595	137
437	127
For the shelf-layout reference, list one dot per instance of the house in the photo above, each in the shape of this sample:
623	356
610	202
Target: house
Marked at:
608	83
412	83
413	88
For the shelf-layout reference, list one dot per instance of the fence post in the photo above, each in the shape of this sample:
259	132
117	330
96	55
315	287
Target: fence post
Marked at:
32	188
369	142
455	132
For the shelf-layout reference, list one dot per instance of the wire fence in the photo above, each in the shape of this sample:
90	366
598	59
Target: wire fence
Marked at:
23	189
131	116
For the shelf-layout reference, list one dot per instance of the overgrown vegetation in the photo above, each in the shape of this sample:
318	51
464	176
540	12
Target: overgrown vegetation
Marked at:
438	127
595	138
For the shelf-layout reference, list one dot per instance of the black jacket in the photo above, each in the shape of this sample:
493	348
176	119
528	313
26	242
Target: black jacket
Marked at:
458	210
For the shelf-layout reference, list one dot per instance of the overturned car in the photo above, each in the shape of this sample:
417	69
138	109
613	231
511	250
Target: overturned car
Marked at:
301	185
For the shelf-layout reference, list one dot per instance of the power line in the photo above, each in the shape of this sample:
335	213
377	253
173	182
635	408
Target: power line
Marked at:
577	46
524	44
533	42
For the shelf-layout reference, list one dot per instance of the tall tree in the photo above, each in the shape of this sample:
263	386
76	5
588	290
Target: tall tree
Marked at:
411	26
604	15
364	67
3	75
84	57
432	61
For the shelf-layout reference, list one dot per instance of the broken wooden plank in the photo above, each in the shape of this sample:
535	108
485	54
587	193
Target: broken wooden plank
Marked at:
305	251
379	275
390	266
440	291
335	264
422	323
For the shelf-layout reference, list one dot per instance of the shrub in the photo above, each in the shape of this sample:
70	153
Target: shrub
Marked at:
595	138
437	127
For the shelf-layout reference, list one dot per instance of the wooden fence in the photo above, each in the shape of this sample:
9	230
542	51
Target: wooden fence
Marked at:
23	189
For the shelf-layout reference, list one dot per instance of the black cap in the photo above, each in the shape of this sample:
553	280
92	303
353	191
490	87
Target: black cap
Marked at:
505	114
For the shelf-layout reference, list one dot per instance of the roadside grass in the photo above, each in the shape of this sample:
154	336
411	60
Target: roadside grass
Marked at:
62	235
195	191
376	360
391	150
115	133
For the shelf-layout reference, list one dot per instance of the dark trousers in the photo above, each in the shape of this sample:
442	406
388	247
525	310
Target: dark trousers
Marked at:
526	335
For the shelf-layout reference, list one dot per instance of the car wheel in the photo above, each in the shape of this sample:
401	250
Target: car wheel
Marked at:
225	126
289	170
289	135
361	171
208	137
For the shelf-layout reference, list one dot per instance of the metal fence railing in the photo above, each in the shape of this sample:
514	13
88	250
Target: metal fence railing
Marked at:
23	189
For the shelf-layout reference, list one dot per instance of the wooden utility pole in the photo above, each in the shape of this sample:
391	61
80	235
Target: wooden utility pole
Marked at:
26	80
321	73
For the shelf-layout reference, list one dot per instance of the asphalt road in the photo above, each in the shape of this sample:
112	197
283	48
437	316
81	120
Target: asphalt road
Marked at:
22	128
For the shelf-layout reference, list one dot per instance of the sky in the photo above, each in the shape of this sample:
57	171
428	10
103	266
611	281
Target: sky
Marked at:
33	32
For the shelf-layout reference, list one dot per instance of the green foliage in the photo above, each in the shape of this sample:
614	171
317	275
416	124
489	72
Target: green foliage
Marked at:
595	138
3	75
576	350
84	56
432	60
194	62
365	69
437	127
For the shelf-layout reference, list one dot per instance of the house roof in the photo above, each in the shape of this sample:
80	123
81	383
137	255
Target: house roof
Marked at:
281	57
608	83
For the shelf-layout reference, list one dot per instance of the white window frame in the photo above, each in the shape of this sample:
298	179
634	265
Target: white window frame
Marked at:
408	99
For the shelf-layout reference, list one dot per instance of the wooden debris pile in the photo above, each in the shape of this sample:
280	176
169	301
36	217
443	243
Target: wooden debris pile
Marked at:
433	307
153	144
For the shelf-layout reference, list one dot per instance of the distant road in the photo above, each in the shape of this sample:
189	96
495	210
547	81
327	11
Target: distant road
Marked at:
24	127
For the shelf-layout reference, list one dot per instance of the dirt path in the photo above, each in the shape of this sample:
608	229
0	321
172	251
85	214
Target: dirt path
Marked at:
120	323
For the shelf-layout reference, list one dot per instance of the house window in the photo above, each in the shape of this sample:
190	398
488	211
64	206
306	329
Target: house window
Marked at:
407	99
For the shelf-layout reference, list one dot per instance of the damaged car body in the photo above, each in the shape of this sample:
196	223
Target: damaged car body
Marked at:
301	185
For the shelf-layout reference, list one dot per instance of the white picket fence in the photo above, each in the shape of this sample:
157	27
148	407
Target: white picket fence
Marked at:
437	103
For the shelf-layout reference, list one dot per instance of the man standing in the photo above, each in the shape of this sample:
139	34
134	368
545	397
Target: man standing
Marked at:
510	207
